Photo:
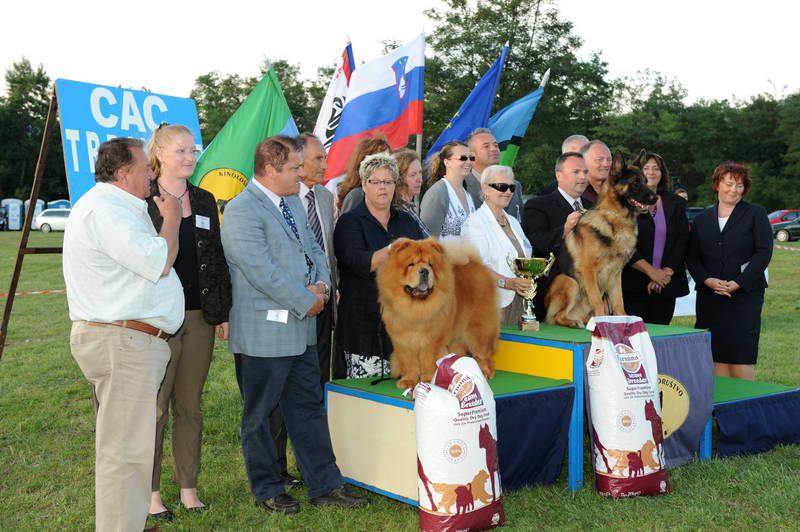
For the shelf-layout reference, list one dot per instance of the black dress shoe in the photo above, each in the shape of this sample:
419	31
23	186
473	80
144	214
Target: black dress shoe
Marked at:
283	503
193	509
341	497
290	482
166	515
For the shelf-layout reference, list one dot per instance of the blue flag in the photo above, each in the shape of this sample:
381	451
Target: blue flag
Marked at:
474	112
510	123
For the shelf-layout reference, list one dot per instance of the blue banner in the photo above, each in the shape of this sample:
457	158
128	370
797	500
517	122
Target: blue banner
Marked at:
92	114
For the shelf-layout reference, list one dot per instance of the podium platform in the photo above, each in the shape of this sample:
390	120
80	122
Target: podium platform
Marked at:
752	417
685	376
373	432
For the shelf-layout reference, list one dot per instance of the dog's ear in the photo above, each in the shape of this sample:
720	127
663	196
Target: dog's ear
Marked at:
399	245
437	246
640	159
617	165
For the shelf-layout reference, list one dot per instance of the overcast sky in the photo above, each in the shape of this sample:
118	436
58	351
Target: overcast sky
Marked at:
716	49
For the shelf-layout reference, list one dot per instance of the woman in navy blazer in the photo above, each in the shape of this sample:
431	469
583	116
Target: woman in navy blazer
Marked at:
730	247
656	274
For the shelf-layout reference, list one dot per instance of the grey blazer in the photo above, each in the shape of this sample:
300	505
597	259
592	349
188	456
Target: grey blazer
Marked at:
269	275
324	200
353	198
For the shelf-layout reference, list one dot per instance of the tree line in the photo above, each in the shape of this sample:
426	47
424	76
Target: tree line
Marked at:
646	110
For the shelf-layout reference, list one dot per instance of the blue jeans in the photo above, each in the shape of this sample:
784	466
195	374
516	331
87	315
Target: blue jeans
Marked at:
292	383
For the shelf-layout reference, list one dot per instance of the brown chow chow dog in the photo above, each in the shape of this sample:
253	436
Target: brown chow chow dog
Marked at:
437	298
591	260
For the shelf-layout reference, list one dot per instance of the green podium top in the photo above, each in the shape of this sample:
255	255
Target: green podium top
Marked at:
503	383
557	333
730	389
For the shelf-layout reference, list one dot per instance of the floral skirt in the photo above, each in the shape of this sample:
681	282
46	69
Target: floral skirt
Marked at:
362	366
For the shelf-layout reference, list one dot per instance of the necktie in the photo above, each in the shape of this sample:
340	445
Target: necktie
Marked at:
577	205
313	219
287	215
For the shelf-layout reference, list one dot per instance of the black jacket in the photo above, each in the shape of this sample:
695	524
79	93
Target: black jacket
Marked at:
214	279
543	221
675	247
356	237
741	252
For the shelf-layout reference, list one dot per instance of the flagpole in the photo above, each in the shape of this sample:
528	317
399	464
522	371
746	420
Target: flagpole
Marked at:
419	144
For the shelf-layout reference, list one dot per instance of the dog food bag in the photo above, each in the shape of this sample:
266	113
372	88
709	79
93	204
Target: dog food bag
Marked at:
625	409
457	464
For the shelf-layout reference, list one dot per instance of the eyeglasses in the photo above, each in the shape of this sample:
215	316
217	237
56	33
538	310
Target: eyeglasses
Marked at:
503	187
183	152
463	158
381	183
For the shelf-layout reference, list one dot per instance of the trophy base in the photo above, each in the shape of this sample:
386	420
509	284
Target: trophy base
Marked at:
529	325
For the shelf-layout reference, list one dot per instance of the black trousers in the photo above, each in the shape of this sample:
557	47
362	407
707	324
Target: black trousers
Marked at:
652	308
324	347
293	383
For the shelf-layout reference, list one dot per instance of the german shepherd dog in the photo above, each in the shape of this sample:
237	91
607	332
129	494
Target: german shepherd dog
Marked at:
591	260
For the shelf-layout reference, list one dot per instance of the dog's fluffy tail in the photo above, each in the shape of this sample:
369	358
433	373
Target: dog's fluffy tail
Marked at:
459	253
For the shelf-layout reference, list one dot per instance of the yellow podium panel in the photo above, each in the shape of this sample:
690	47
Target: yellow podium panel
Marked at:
532	359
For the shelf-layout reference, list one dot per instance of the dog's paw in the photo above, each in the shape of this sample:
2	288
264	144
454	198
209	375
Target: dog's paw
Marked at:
406	383
578	325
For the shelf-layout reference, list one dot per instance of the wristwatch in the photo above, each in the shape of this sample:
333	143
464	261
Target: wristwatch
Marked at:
501	282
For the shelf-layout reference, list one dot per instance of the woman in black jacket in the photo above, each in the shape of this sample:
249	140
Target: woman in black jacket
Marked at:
361	242
729	250
656	275
203	272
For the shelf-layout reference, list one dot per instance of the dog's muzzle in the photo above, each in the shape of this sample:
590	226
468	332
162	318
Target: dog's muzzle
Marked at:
423	288
638	205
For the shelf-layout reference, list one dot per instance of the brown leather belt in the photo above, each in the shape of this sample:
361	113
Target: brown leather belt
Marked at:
136	326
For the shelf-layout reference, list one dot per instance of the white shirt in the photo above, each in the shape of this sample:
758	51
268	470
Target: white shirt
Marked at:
303	193
570	199
274	198
113	259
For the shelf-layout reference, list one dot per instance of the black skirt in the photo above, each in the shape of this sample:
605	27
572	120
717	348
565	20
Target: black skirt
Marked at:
734	322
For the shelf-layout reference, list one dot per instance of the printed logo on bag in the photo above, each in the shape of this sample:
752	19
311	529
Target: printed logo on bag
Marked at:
626	422
463	387
675	403
455	450
597	358
631	362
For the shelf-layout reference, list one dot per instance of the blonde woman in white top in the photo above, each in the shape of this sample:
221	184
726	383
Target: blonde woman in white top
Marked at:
498	237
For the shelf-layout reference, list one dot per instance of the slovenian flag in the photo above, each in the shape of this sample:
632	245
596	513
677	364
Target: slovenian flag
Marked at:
226	165
474	112
510	123
331	111
385	95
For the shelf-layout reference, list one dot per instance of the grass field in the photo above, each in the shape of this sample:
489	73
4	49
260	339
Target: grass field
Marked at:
47	440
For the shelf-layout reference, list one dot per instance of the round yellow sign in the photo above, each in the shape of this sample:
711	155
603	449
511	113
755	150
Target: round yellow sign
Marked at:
224	183
674	403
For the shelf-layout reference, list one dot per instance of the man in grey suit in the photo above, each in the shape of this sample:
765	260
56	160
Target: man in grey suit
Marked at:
484	147
280	283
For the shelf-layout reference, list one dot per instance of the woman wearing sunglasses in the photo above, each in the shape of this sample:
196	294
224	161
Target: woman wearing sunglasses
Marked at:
498	237
447	204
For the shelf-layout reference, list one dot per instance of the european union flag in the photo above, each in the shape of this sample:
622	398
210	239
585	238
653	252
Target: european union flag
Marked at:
474	112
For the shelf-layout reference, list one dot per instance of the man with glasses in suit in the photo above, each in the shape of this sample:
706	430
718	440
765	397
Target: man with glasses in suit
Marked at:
281	282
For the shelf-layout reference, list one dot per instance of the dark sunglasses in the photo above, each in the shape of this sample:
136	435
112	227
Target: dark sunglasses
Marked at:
463	158
502	187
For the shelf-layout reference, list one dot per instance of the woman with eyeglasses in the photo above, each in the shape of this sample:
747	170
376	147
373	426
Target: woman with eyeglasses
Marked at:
348	192
656	274
499	237
203	272
410	167
447	204
361	242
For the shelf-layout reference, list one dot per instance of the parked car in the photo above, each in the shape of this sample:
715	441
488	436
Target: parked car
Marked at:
784	215
692	212
785	231
51	220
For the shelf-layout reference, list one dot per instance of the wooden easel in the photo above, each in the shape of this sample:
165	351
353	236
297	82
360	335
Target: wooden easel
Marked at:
26	228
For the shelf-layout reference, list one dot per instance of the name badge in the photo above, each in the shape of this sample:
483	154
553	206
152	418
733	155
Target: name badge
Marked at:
281	316
203	222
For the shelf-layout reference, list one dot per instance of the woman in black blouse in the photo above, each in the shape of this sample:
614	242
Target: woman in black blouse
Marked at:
361	241
203	272
730	246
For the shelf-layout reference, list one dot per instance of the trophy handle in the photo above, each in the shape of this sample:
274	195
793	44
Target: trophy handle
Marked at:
550	261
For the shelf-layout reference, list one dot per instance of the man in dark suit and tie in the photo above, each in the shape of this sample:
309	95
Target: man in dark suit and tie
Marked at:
547	219
280	282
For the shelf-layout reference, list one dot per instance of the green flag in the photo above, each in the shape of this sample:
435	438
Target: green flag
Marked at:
227	164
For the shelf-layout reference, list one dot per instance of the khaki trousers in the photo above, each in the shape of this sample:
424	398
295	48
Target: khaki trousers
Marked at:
125	368
190	358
